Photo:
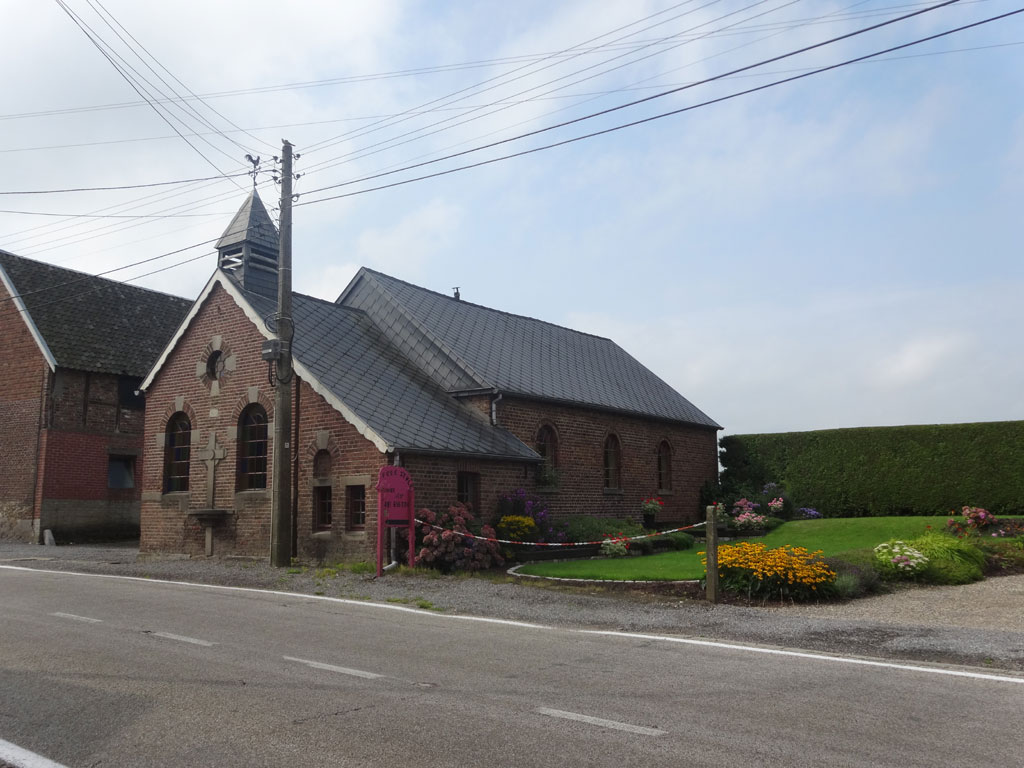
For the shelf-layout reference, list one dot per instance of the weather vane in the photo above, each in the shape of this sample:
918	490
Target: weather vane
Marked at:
255	169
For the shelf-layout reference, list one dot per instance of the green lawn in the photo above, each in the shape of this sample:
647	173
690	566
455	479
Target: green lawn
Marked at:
832	536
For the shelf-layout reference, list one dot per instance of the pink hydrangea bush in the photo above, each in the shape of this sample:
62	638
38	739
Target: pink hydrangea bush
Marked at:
453	547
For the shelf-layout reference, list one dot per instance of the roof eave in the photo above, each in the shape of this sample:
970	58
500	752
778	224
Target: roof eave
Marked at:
44	348
714	425
229	286
466	454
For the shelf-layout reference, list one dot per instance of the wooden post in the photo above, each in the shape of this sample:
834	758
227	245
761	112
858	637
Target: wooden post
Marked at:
711	539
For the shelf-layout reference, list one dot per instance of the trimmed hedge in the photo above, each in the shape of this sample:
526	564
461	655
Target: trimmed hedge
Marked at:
911	470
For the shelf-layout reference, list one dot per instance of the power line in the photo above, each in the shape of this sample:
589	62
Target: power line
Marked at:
358	118
80	294
96	3
121	186
363	131
412	72
192	207
116	269
136	86
646	99
652	118
596	38
393	142
113	216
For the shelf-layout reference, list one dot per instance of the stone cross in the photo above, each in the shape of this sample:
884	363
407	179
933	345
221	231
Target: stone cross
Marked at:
211	454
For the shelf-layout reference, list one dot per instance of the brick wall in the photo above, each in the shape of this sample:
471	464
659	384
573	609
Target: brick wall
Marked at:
23	377
214	408
354	461
436	480
581	434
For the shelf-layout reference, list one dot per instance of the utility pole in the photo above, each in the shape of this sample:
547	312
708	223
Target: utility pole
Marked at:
281	505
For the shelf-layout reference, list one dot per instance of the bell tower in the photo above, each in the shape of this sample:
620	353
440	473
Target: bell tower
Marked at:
249	248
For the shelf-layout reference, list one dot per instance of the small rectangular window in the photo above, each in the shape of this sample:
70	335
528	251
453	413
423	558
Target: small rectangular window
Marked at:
322	507
356	503
121	472
467	490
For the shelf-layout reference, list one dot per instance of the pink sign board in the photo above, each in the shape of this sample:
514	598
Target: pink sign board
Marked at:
395	509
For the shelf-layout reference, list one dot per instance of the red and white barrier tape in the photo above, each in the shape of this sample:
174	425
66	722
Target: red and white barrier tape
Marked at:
560	544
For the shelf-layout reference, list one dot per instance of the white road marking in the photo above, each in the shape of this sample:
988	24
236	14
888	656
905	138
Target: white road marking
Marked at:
805	655
77	618
602	722
22	758
332	668
936	670
182	638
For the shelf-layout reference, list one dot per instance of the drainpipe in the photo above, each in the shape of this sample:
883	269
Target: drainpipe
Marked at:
394	531
295	469
494	409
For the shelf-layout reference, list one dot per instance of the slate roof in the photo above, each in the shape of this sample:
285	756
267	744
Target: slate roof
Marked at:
252	223
352	358
95	324
521	355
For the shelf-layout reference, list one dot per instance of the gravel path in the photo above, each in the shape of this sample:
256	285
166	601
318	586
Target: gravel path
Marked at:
980	625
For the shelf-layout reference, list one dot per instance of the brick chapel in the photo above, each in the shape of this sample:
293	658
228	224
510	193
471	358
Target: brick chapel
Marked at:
472	402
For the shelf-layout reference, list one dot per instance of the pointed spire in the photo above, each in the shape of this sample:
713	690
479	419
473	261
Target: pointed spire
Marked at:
249	248
252	223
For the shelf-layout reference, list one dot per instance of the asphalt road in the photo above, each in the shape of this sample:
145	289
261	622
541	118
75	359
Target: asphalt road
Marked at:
99	671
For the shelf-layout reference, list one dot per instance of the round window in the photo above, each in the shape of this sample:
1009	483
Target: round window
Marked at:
215	364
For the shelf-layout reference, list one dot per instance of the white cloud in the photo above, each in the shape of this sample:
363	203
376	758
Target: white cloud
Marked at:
405	248
917	360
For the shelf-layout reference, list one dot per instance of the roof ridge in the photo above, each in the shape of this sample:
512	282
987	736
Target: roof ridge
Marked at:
94	277
489	309
459	360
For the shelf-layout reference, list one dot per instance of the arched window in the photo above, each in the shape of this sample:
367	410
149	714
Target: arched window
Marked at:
664	466
177	453
322	501
612	463
547	447
252	448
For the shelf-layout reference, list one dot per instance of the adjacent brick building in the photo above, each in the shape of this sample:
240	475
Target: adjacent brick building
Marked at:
473	402
75	349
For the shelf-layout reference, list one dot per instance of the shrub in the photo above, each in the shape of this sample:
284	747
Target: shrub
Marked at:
950	560
590	528
447	550
744	505
978	519
748	521
521	504
771	523
942	546
642	546
859	572
907	470
899	560
517	528
847	586
615	546
943	571
679	540
786	572
1003	554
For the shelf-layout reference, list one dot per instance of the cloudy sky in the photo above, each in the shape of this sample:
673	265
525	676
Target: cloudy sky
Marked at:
841	250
